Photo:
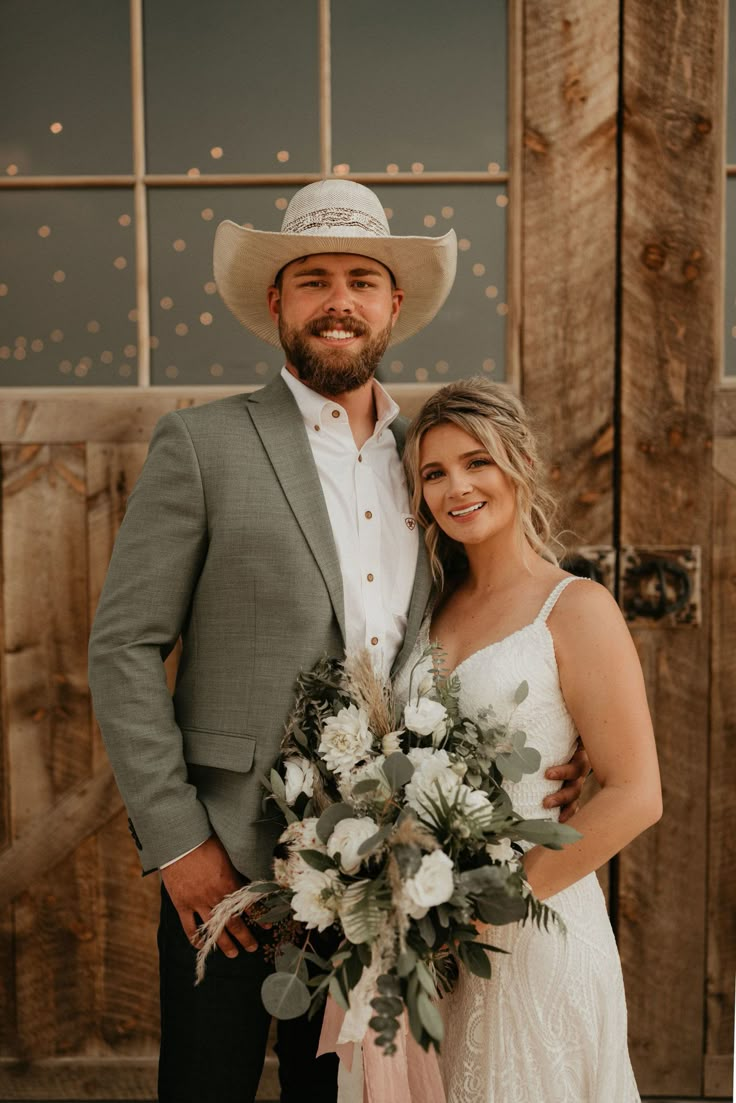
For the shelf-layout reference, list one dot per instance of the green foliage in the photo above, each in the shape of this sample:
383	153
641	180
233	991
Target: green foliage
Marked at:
360	914
285	996
330	818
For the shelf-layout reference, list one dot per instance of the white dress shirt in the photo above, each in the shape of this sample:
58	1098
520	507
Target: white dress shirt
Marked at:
368	504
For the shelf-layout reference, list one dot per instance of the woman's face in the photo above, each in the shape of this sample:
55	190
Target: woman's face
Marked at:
469	496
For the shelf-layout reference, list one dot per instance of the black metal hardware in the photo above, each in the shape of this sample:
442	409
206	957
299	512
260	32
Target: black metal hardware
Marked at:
667	577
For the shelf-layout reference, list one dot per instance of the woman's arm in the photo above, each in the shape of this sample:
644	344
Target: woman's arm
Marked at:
603	687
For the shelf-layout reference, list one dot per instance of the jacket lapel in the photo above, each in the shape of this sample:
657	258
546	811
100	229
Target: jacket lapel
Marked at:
281	428
422	578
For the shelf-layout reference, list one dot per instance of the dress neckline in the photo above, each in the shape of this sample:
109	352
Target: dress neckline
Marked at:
539	621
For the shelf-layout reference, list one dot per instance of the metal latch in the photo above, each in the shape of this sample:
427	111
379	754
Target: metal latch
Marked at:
660	586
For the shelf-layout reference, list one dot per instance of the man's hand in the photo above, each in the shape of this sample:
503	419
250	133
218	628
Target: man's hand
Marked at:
196	883
573	774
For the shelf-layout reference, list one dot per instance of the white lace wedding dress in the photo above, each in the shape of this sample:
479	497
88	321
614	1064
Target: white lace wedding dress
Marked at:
550	1024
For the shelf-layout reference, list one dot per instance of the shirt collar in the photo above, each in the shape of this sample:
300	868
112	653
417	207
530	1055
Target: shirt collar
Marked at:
312	405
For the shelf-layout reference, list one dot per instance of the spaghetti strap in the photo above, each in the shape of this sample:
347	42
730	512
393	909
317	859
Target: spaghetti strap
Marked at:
551	601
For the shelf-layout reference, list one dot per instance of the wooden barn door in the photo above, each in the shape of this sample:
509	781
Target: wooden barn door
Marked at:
624	165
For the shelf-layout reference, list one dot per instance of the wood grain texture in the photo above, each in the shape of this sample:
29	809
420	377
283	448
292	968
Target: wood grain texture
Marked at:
48	743
569	249
672	165
721	962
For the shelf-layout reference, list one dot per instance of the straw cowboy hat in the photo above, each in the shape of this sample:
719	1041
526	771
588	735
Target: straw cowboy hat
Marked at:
332	216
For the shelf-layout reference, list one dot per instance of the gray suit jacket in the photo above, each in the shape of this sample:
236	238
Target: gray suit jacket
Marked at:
227	543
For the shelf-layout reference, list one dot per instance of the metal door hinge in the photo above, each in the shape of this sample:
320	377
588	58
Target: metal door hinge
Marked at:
659	587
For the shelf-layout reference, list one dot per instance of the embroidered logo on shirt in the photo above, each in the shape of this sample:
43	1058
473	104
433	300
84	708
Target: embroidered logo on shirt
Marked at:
410	523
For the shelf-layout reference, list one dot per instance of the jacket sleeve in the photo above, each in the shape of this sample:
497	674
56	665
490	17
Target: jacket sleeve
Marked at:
145	601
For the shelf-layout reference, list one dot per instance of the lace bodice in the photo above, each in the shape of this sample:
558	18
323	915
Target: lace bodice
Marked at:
491	676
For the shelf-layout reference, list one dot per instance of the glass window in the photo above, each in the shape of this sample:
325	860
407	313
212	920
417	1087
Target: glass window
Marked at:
65	87
232	87
419	87
67	287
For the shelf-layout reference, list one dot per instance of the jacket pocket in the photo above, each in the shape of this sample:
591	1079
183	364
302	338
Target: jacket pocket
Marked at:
223	750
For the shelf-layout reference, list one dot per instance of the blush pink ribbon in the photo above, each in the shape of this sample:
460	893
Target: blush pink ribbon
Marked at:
411	1075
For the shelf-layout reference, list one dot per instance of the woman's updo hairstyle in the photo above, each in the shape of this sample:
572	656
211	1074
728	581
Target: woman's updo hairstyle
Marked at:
495	417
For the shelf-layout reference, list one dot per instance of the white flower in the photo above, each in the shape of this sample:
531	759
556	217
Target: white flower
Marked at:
348	835
369	771
299	778
391	743
501	851
426	717
288	866
432	769
346	739
432	884
314	903
475	802
425	686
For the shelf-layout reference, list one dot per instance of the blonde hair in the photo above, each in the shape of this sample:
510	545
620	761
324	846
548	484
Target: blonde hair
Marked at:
491	414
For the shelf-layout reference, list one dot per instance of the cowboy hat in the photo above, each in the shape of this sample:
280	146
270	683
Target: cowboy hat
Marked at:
332	216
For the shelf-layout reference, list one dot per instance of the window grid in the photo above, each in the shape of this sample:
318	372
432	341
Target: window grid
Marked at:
140	181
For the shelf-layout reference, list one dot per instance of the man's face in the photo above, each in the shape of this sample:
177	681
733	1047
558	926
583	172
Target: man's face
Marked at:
335	313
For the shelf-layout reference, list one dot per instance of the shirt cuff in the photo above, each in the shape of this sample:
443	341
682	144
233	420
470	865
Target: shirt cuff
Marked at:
167	864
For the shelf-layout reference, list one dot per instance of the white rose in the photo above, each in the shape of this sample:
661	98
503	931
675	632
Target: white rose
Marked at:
299	778
347	837
432	884
346	739
425	686
288	866
433	769
501	851
314	902
425	716
477	804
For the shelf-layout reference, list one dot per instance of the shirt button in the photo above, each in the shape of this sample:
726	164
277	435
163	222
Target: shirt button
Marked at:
335	413
316	428
360	459
374	640
368	515
369	577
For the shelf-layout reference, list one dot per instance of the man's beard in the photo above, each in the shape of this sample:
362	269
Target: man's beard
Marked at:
333	371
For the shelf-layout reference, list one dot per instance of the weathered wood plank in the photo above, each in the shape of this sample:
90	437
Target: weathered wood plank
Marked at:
721	963
672	173
7	941
569	249
48	745
127	968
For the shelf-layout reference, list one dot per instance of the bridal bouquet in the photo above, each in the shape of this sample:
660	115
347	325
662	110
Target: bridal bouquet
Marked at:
400	839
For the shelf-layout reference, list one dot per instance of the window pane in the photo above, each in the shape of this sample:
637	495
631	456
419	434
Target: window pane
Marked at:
730	341
195	337
65	87
232	87
419	85
468	335
67	288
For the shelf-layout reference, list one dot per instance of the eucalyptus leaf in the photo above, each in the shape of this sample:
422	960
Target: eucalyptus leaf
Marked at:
424	977
317	860
477	881
330	818
409	859
388	985
398	770
285	996
381	1023
406	962
499	908
521	693
475	959
426	930
367	785
430	1017
277	784
387	1005
337	993
544	832
374	841
520	760
290	959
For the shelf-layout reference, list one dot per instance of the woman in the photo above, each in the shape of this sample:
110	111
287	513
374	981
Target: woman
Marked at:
550	1025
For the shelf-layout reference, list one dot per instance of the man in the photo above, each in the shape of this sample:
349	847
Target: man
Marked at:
266	530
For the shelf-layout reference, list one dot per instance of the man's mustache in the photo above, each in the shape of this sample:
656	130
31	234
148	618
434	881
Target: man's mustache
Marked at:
347	325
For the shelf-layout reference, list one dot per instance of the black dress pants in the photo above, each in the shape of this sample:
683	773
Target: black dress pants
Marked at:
213	1037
